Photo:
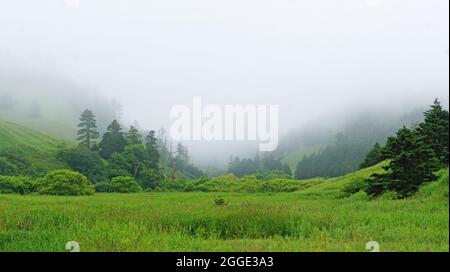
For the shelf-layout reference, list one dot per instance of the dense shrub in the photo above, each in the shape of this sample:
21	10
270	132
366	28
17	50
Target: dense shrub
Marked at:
354	187
13	162
272	174
125	185
173	185
113	172
7	167
85	161
64	182
231	183
16	162
103	187
149	178
16	185
219	201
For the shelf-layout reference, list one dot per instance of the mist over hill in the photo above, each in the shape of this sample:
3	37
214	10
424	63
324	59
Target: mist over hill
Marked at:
49	102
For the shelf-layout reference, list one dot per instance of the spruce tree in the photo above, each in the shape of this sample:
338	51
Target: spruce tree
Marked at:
435	131
88	134
134	136
113	141
151	143
181	157
412	162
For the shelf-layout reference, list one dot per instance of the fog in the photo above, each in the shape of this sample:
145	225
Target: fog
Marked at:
318	60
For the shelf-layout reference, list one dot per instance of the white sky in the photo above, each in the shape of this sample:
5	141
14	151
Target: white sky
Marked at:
309	57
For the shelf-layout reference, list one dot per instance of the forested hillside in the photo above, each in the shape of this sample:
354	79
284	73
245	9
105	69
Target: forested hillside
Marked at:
330	154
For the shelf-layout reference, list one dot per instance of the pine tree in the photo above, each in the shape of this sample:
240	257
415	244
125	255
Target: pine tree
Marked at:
435	131
113	141
181	157
151	143
88	134
412	162
134	136
374	156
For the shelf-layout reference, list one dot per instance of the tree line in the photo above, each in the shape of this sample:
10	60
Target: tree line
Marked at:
116	153
413	155
265	167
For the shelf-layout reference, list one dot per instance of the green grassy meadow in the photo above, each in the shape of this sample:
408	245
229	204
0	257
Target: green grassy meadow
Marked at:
317	218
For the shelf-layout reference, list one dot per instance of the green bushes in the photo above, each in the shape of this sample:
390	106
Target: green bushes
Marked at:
174	185
124	185
354	187
272	174
103	187
64	182
16	185
21	162
86	162
231	183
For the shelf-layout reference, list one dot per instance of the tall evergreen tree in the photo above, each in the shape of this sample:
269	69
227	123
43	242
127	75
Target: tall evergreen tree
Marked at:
88	134
412	162
305	168
113	141
151	143
435	131
134	137
181	157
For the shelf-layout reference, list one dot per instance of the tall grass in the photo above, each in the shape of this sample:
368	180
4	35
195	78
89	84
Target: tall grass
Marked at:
308	220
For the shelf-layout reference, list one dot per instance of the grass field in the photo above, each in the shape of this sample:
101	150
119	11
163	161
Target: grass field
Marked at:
314	219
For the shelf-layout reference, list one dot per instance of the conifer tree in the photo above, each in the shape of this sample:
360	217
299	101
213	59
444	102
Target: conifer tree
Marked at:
134	136
151	143
181	157
412	162
113	140
435	131
88	134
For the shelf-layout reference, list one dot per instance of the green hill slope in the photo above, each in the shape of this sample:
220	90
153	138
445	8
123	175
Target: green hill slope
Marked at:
16	136
50	103
333	188
28	150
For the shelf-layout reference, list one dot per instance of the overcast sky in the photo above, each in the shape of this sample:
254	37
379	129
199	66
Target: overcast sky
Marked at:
308	56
